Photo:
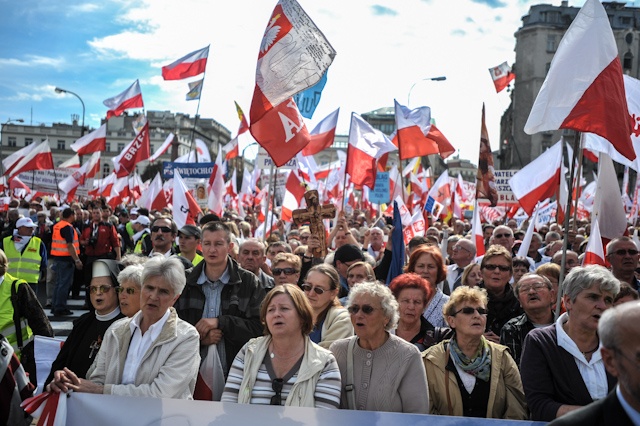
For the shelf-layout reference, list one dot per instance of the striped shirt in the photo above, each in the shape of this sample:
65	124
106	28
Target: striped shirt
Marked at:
327	392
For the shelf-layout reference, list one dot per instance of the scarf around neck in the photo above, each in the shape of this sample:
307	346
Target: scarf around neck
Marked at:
478	366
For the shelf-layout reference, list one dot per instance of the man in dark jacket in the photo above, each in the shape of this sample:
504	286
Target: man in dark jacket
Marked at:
221	299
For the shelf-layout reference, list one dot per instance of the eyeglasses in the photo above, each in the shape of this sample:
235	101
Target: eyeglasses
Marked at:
164	229
494	267
287	271
276	385
304	237
468	310
458	248
366	309
535	287
100	288
128	290
502	236
623	252
308	287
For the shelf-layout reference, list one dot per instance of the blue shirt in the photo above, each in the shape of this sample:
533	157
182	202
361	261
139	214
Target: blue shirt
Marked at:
213	293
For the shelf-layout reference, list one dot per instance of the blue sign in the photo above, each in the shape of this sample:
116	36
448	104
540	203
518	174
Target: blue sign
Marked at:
380	192
187	170
308	100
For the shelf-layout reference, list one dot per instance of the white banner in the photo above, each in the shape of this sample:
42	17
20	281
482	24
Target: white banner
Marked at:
48	180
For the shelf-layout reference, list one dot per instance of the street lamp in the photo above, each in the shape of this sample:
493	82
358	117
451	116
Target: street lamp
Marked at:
59	90
441	78
11	120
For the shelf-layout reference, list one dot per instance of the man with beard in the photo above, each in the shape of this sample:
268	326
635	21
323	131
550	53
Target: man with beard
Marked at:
163	235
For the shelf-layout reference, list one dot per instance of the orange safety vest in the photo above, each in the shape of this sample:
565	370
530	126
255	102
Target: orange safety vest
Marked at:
59	244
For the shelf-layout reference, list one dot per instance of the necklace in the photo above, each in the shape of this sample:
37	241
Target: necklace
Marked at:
273	355
592	350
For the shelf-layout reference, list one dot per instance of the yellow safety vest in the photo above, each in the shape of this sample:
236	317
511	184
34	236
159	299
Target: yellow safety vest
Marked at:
196	259
7	326
138	247
59	244
25	265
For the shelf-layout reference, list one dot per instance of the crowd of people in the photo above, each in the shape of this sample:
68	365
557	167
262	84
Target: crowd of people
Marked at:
207	311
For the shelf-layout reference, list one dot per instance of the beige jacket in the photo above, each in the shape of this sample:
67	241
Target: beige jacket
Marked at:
337	325
506	397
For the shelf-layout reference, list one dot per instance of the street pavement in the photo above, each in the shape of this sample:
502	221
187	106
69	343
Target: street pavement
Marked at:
62	325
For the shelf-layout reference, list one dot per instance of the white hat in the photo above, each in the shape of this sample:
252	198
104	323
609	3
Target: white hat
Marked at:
142	220
25	221
134	211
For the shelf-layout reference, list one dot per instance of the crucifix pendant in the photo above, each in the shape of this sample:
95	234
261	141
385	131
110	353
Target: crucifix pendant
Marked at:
95	346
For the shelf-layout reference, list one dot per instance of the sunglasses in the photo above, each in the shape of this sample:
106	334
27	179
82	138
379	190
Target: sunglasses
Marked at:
100	288
494	267
164	229
276	385
128	290
308	287
468	310
287	271
502	236
623	252
366	309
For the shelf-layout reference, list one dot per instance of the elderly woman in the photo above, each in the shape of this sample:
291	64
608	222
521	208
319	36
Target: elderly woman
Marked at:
427	262
412	292
357	273
130	284
497	270
153	354
380	371
472	275
285	268
469	375
330	320
284	367
561	365
84	341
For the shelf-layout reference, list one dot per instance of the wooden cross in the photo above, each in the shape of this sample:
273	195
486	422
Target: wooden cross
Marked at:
314	213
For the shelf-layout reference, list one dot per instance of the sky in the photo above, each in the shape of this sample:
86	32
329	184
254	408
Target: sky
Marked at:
97	49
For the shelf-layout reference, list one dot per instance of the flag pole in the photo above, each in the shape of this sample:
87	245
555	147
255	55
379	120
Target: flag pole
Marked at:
195	119
565	240
274	173
577	183
344	182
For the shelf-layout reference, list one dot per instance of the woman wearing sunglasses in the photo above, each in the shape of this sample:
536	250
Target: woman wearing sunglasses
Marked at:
469	375
286	268
330	320
284	367
380	371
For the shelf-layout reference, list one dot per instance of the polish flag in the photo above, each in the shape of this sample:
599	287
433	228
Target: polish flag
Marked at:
294	194
186	208
584	89
413	126
366	146
523	251
136	151
39	158
70	184
476	231
231	188
105	185
14	159
501	76
136	187
461	193
92	142
441	192
217	191
539	179
281	75
607	207
71	163
130	98
232	149
18	188
163	148
189	65
323	134
199	155
146	200
594	253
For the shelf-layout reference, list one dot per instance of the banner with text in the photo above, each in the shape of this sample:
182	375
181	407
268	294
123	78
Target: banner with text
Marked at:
48	180
187	170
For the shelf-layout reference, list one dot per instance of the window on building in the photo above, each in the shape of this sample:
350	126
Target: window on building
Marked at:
551	43
61	145
120	147
28	141
625	20
107	146
105	170
12	141
546	68
152	148
627	62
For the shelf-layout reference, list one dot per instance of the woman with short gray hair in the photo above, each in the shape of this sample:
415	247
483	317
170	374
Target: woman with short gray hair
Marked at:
129	285
379	370
561	365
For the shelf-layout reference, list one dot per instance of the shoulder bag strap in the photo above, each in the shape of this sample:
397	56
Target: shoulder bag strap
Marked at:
351	399
16	313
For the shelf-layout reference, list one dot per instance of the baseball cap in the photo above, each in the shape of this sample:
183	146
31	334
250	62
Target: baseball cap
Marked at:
190	230
26	221
348	253
142	220
134	211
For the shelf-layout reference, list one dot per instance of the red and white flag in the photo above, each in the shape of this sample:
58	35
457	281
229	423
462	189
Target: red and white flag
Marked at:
584	89
476	231
130	98
294	194
215	202
18	188
71	163
528	236
39	158
163	148
323	134
70	184
539	179
244	138
199	155
594	253
366	146
148	196
441	192
92	142
413	126
189	65
136	151
501	76
607	207
285	68
14	159
185	207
